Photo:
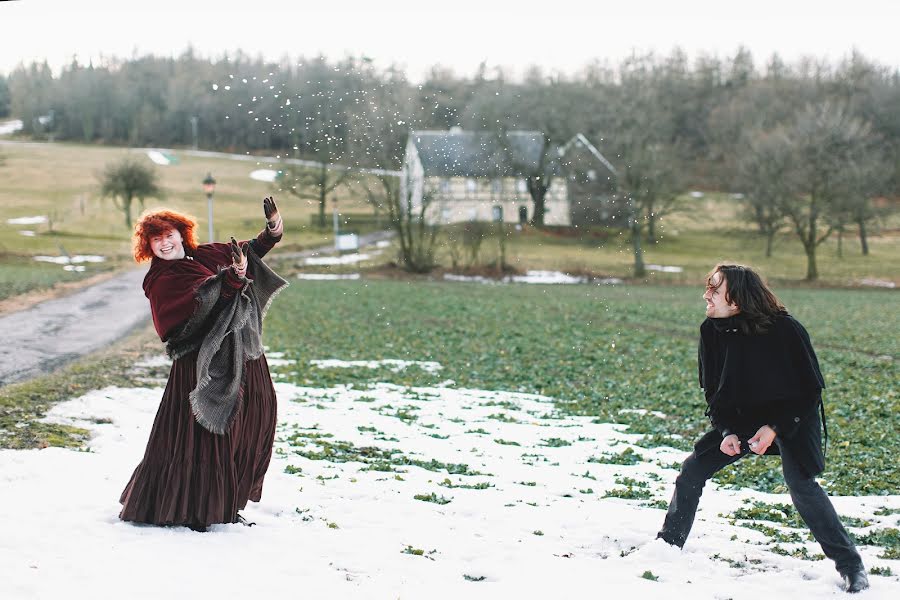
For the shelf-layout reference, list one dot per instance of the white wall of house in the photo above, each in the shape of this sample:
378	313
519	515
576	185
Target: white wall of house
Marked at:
459	199
412	178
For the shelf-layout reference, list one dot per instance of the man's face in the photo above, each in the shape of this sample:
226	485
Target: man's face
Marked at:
168	245
716	306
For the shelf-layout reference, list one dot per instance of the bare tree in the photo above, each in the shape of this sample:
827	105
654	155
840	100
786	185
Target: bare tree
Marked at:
313	183
766	175
126	180
827	139
870	178
396	197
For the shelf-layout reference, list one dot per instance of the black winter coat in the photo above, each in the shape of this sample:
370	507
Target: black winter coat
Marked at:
751	380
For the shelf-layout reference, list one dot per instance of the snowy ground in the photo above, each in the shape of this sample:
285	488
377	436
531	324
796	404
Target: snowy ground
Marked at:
534	522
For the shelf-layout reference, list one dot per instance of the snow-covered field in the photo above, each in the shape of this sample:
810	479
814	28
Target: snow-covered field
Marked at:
533	522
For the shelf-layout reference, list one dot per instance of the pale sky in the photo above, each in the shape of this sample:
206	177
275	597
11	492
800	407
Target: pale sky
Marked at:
561	35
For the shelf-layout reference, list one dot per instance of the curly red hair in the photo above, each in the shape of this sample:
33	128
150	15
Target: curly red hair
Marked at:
158	221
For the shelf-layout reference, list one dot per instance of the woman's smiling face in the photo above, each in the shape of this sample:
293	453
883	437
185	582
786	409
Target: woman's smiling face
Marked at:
168	245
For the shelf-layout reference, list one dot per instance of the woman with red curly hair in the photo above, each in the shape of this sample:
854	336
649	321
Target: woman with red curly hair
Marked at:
211	441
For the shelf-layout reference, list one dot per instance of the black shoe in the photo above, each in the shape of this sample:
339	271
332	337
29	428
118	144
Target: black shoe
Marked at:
197	528
660	536
243	521
856	581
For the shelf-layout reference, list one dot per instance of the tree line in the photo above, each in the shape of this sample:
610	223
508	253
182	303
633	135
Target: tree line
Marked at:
810	145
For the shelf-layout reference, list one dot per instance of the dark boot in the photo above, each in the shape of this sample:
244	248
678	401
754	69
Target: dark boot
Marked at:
855	581
197	528
240	519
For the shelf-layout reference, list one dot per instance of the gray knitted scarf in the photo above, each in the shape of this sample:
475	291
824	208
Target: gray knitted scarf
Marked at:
228	332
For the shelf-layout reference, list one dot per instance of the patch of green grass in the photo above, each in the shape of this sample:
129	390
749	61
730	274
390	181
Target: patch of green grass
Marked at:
629	493
433	498
503	418
784	514
627	457
466	486
23	404
888	538
503	442
800	552
59	180
600	349
19	275
375	458
556	443
777	535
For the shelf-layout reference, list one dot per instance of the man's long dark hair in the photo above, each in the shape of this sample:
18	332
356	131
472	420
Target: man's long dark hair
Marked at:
758	304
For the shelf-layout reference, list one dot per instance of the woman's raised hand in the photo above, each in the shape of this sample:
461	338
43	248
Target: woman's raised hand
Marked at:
274	224
239	257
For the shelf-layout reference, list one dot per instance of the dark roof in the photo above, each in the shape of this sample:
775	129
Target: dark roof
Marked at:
478	154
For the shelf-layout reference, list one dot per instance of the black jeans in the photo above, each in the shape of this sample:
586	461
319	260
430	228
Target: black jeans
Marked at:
809	498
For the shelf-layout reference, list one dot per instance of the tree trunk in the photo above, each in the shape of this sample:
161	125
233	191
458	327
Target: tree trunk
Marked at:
770	236
862	237
840	248
809	244
812	273
323	194
639	270
538	190
126	206
651	228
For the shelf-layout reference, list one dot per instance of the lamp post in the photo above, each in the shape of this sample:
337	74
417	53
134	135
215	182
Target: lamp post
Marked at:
209	186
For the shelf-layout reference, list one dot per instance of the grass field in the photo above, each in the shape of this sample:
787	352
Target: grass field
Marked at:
599	351
703	231
59	181
614	354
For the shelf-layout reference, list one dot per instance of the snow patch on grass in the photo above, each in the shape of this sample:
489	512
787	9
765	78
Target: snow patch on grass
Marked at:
327	276
393	364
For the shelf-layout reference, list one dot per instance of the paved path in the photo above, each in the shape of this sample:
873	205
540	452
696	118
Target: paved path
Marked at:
38	339
41	338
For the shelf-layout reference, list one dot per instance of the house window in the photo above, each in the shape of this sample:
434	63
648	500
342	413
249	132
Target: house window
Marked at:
497	214
496	187
445	185
521	186
445	214
471	186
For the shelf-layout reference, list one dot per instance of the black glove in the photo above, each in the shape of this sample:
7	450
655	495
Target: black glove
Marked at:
239	257
274	224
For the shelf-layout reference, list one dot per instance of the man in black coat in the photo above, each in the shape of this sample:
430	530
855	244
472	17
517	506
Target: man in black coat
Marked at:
763	388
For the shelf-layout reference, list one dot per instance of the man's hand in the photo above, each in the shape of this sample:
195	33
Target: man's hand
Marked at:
760	442
730	445
274	225
239	258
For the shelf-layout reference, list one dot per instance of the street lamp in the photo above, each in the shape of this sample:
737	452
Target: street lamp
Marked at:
209	186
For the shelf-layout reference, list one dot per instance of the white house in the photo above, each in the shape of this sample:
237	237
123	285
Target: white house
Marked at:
467	175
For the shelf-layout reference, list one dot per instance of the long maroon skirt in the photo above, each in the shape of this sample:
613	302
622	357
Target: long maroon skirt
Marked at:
189	476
